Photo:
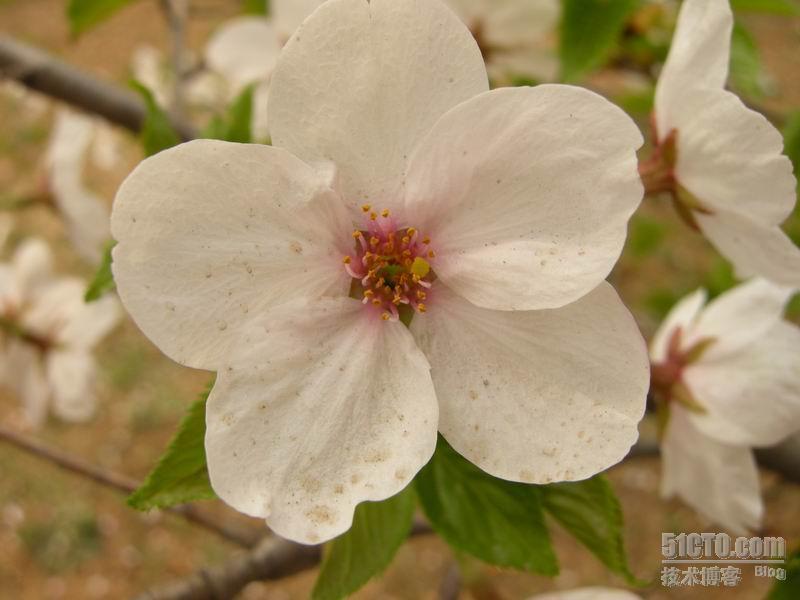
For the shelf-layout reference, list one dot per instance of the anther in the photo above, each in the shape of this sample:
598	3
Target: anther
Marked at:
421	307
386	316
426	240
385	213
366	207
346	260
372	216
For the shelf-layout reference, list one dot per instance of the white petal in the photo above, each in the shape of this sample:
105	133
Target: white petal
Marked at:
259	123
698	56
739	317
755	250
588	593
32	266
288	14
537	396
730	157
718	481
361	82
752	397
71	377
147	64
526	194
341	409
682	315
211	233
243	50
26	378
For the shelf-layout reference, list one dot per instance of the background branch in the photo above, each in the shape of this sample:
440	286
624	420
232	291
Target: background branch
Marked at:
46	74
120	483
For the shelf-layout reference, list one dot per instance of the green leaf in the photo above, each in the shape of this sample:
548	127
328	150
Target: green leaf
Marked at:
646	236
85	14
181	475
589	31
157	133
236	125
778	7
789	588
746	71
500	522
719	278
353	558
791	139
103	280
255	7
590	511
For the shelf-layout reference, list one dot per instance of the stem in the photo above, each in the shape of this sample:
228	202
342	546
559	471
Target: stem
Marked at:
177	12
116	481
45	74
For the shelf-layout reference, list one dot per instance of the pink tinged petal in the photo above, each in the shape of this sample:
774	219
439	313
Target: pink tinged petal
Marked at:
243	50
698	57
339	410
526	194
739	317
212	233
682	315
537	396
752	397
399	66
730	157
71	376
754	249
717	480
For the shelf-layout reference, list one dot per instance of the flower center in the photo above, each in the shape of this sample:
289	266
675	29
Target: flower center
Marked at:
391	266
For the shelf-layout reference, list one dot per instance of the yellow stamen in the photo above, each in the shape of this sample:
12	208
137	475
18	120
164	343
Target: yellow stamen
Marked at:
376	302
421	307
373	241
385	316
420	268
346	260
366	207
426	240
385	213
368	293
372	216
410	231
356	234
431	254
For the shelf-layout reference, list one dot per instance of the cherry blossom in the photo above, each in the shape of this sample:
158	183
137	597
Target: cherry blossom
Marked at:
588	593
721	161
74	138
400	191
728	372
47	333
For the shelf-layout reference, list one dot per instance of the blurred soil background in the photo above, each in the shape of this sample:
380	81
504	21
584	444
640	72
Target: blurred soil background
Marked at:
65	537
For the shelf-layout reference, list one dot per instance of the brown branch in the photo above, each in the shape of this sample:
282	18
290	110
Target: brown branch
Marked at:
273	558
46	74
450	587
119	482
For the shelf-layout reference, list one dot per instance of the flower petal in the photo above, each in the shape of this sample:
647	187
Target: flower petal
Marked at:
754	249
718	481
698	57
243	50
739	317
399	65
24	375
730	157
32	266
537	396
588	593
526	194
288	14
71	376
211	233
682	315
752	397
340	409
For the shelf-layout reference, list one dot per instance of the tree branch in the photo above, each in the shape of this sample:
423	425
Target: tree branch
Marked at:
46	74
119	482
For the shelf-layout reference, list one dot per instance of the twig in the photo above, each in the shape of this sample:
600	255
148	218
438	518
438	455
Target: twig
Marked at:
118	482
273	558
176	13
450	588
46	74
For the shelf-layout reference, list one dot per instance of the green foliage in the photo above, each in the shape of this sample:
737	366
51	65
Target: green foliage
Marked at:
589	31
791	140
497	521
85	14
235	125
777	7
157	133
255	7
659	300
352	559
590	511
181	475
720	278
62	543
747	74
646	236
789	589
103	280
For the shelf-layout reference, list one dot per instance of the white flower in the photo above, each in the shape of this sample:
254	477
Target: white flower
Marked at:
87	216
496	217
721	160
47	333
731	372
516	37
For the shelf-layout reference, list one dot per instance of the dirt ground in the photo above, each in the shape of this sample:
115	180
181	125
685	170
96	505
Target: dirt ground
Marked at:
64	537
